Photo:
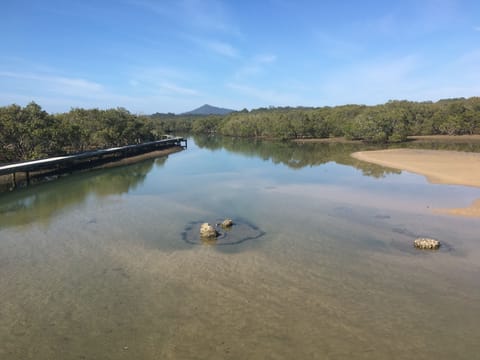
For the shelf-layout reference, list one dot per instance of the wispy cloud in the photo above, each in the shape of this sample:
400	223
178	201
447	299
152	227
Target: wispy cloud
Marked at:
165	81
410	77
265	58
151	90
267	96
221	48
159	8
214	46
205	15
56	84
476	28
471	58
57	93
176	89
436	13
388	70
427	16
335	46
254	66
153	73
209	14
372	82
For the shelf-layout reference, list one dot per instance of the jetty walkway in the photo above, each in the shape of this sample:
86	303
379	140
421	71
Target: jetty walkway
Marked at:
85	160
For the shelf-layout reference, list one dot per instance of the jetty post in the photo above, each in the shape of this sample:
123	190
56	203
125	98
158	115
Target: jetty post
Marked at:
85	160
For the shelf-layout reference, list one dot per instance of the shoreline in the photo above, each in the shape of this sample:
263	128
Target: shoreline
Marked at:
138	158
438	166
410	139
444	138
340	140
42	176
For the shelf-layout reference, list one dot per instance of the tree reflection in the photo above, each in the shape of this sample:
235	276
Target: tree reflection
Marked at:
31	205
300	155
297	155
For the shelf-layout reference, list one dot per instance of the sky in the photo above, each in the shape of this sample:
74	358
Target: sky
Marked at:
173	56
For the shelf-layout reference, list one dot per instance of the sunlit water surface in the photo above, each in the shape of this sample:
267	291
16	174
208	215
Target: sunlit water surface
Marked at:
94	266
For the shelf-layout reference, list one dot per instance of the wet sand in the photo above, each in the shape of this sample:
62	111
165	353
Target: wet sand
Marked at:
439	167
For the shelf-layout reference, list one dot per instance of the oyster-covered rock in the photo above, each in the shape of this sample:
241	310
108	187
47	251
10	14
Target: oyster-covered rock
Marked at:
208	231
426	243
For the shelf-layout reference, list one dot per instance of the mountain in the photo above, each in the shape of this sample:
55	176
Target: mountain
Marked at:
209	110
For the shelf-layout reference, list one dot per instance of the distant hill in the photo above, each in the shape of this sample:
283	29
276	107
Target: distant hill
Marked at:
209	110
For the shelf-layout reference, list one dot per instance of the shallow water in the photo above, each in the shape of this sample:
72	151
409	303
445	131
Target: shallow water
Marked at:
94	266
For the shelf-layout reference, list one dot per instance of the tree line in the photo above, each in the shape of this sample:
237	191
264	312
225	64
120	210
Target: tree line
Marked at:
29	132
389	122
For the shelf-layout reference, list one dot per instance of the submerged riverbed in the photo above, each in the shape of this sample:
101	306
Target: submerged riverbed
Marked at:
96	266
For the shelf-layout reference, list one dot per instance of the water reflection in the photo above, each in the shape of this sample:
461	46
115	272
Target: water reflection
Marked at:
40	203
450	145
334	275
297	156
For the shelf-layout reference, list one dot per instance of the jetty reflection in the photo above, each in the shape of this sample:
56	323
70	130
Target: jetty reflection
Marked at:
42	202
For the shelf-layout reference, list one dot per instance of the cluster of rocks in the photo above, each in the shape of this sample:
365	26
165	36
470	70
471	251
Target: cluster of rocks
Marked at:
209	231
426	243
220	232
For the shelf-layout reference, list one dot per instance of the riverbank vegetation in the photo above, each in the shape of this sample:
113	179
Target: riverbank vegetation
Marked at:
30	132
390	122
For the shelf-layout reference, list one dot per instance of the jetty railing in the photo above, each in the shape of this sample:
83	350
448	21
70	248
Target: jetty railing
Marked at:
88	159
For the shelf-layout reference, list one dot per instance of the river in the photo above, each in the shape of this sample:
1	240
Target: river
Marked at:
107	265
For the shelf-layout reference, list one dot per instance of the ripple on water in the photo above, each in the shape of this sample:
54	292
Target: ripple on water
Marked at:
240	232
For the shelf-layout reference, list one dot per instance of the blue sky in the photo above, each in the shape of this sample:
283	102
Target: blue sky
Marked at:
173	56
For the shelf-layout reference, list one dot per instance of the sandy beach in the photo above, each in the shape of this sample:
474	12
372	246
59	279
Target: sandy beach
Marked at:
439	167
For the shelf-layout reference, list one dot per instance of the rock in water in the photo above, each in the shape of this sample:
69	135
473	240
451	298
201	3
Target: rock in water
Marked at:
208	231
227	223
240	232
426	243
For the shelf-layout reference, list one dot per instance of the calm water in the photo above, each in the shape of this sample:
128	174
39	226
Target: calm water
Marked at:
94	266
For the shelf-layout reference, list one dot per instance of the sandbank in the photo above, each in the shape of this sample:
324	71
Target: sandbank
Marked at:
438	166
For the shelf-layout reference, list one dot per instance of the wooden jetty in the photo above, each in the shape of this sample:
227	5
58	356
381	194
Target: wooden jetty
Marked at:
85	160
